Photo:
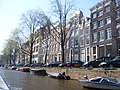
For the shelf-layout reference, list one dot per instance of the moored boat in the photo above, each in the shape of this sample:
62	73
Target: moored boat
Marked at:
58	75
24	69
41	72
103	83
13	68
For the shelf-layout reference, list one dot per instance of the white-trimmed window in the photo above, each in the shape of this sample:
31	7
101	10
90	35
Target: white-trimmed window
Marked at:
76	31
118	25
100	13
94	37
117	13
100	23
72	42
107	2
76	41
101	34
94	15
73	33
109	33
81	41
117	2
87	39
81	32
107	9
107	20
100	5
118	32
119	49
87	30
94	25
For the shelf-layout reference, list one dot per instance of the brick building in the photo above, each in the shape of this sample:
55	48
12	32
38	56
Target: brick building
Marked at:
105	28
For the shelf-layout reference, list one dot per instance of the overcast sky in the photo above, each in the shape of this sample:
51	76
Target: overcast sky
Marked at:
11	10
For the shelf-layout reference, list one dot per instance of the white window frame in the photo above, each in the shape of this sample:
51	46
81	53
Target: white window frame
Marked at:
117	13
101	34
109	33
100	13
100	23
108	20
94	15
94	25
94	37
107	9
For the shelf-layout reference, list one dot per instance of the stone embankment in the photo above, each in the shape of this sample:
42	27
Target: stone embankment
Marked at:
76	73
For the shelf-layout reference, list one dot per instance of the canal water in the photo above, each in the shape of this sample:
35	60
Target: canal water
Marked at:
25	81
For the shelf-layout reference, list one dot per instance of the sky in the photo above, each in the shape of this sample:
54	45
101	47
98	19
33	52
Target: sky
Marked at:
11	11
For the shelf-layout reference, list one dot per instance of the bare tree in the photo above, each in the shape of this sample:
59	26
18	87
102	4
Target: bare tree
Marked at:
63	28
30	22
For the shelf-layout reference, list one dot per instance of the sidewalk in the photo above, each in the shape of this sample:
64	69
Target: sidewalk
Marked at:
3	85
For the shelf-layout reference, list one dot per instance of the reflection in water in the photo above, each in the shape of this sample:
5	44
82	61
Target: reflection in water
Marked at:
25	81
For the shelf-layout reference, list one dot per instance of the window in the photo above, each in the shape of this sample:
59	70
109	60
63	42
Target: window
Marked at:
82	41
93	9
100	13
36	48
107	20
100	23
87	30
94	50
119	50
88	51
107	9
72	33
87	40
37	41
94	15
118	32
101	33
117	2
94	25
67	45
100	5
109	33
76	41
118	13
72	42
118	25
94	37
107	2
55	47
81	32
76	32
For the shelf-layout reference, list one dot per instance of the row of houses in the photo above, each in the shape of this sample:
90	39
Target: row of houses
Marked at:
92	37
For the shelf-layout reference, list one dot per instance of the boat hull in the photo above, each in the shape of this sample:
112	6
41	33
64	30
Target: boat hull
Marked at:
24	69
38	72
99	86
59	76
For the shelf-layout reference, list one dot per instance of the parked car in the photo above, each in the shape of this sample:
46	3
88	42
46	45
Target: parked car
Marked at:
37	65
62	64
95	63
54	64
27	65
74	63
112	63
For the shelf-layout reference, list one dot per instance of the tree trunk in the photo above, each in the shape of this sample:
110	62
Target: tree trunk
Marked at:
31	50
62	53
46	56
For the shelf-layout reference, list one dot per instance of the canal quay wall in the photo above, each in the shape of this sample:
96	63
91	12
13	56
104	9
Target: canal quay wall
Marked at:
79	74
